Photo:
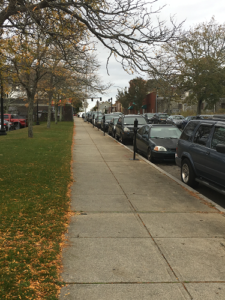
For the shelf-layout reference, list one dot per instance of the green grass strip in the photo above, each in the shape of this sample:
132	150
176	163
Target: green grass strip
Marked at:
34	205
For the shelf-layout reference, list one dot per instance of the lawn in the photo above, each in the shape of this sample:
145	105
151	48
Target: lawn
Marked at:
34	208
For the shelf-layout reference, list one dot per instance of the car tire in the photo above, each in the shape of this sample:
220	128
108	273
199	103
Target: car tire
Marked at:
121	139
109	132
149	155
187	173
113	134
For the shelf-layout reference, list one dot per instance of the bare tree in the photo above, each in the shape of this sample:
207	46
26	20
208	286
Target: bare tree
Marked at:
128	29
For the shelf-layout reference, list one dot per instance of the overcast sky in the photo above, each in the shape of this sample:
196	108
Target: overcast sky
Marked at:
192	11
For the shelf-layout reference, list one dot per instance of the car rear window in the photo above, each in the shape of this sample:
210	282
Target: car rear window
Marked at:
130	120
218	137
202	134
188	131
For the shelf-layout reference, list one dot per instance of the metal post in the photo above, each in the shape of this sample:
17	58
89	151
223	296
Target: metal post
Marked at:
2	130
103	118
135	133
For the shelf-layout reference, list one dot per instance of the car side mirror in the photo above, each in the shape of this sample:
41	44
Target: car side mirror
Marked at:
220	148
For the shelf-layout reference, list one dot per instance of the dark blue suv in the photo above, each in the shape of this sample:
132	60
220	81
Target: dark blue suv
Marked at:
201	153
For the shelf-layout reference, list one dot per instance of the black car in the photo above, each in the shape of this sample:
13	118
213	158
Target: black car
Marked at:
112	126
159	118
149	117
201	154
175	120
95	114
108	118
158	142
98	121
125	127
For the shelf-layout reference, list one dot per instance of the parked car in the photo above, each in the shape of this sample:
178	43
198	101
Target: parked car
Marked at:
125	127
18	121
98	121
188	119
94	115
201	154
112	126
116	113
175	120
5	124
149	117
158	141
108	118
159	118
88	116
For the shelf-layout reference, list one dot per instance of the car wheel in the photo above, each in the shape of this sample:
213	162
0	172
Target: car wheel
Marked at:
113	134
188	174
121	139
149	155
109	132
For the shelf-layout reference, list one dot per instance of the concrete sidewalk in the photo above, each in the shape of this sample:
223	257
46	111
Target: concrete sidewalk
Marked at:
139	234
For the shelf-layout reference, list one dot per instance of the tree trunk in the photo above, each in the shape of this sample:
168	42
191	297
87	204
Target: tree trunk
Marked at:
199	107
30	115
56	113
49	110
60	118
168	105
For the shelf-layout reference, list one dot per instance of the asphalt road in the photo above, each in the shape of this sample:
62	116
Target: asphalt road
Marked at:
174	170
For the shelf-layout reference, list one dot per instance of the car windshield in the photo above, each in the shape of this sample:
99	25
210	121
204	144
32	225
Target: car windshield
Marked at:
150	115
130	120
163	116
6	116
115	120
178	117
165	132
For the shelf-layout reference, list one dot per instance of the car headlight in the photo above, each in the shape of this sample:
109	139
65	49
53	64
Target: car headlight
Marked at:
159	148
126	129
114	127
